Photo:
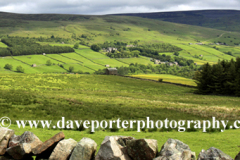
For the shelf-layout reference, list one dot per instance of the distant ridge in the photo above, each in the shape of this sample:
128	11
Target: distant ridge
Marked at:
219	19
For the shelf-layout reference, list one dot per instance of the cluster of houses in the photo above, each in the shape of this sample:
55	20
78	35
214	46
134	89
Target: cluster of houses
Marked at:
109	49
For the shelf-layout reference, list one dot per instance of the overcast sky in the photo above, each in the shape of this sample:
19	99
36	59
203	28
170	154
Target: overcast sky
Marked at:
112	6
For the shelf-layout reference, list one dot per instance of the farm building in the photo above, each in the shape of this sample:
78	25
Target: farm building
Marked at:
157	61
44	54
111	71
111	49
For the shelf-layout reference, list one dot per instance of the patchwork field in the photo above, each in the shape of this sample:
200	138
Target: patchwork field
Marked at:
208	53
167	78
139	60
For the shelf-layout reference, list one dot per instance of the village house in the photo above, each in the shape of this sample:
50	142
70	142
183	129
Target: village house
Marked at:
156	61
111	71
109	49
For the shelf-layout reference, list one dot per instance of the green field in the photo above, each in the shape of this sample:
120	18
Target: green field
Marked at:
167	78
91	97
35	59
85	62
140	60
90	54
2	45
15	63
235	50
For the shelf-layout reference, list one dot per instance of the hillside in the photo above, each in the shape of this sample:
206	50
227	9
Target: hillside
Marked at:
66	30
101	28
227	20
93	97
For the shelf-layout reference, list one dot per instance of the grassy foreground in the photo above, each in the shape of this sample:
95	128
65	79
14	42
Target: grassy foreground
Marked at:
98	97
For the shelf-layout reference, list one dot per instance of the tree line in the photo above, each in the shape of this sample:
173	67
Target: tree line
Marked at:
221	78
123	54
186	71
27	46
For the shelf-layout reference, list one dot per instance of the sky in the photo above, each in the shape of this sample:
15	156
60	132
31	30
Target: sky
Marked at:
101	7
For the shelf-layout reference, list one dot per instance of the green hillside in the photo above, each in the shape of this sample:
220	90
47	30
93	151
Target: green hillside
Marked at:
219	19
91	97
67	30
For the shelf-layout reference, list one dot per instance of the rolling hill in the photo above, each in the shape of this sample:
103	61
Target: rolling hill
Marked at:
87	30
227	20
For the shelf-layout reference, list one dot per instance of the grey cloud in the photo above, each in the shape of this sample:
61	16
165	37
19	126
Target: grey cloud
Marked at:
111	6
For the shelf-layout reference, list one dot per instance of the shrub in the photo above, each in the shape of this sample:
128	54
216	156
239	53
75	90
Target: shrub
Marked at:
20	69
8	66
95	47
160	80
61	66
71	68
80	72
176	53
48	63
76	46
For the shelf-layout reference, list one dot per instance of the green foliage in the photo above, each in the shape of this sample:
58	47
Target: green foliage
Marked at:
20	69
123	54
76	45
95	47
160	80
71	69
136	68
176	53
220	78
28	46
8	66
49	63
4	52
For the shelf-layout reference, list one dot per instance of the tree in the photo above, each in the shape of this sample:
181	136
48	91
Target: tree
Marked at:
204	79
176	53
76	46
95	47
48	63
8	66
71	68
20	69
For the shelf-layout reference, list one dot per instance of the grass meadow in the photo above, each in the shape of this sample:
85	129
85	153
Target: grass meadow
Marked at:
98	97
167	78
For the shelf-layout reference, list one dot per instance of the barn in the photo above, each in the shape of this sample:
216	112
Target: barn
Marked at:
111	71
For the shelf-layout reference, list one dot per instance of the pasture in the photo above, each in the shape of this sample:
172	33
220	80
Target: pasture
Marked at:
2	45
88	97
167	78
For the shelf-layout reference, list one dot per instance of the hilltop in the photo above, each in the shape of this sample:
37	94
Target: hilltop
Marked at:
227	20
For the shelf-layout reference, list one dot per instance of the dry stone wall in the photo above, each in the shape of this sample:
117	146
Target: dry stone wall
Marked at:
28	145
